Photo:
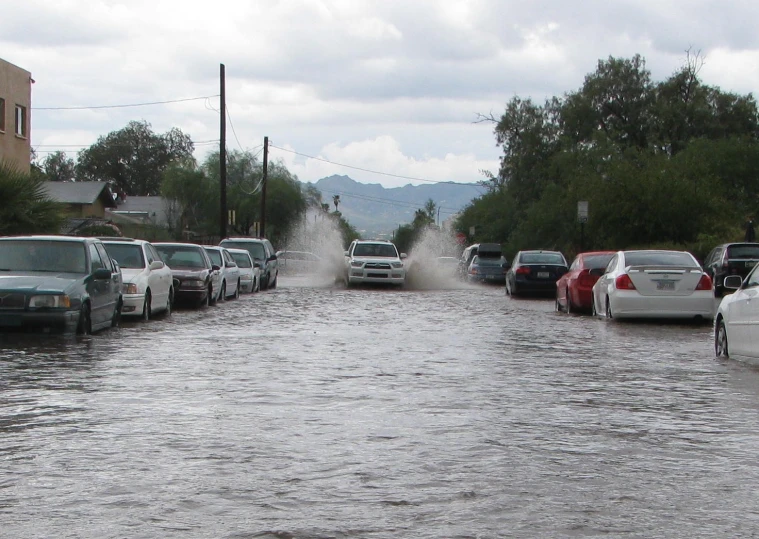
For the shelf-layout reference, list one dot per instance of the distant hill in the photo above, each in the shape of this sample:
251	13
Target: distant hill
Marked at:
374	209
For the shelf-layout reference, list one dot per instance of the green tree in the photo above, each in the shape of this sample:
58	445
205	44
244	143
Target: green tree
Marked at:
58	167
134	158
25	208
190	198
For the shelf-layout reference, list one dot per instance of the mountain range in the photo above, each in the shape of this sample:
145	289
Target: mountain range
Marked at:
375	210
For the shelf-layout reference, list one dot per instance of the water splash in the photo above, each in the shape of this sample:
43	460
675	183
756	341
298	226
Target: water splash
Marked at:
317	233
432	263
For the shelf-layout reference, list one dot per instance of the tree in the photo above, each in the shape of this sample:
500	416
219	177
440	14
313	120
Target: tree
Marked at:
134	158
191	203
58	167
25	208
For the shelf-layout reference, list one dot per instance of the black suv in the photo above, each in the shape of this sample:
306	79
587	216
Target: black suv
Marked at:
730	259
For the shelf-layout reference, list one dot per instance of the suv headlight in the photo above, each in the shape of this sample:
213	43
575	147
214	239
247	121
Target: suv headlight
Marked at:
50	301
356	264
397	264
129	288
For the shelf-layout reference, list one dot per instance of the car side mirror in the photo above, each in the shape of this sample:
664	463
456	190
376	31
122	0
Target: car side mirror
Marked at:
101	274
403	255
232	264
257	265
156	265
273	257
214	267
597	272
733	282
345	253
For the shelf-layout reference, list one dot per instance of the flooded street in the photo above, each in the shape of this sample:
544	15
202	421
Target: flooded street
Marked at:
320	412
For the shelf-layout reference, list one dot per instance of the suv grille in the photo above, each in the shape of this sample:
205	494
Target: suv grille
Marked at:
377	265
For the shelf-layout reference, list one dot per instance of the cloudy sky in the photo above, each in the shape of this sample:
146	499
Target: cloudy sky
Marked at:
390	87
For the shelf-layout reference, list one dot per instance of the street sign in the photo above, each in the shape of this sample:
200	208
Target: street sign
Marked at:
461	238
582	211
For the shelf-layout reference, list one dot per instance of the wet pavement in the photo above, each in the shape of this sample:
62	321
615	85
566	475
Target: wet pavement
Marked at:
319	412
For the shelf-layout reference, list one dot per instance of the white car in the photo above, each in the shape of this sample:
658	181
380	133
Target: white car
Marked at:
229	273
148	286
737	318
654	284
374	261
250	272
299	262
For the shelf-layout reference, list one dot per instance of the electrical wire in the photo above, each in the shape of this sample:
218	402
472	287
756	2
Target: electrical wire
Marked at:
92	107
373	171
229	117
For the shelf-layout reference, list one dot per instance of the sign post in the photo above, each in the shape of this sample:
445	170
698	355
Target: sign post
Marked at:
582	216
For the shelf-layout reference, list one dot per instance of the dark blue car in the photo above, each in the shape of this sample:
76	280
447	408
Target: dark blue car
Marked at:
61	283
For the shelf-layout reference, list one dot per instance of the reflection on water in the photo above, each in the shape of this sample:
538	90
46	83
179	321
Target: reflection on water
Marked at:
316	411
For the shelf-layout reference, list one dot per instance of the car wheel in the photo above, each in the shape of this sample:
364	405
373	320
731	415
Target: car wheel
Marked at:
274	284
508	288
593	311
169	301
558	308
223	291
237	291
85	321
206	301
146	314
569	308
116	318
256	285
264	281
608	309
720	340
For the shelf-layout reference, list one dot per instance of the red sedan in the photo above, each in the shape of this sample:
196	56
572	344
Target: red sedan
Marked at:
573	289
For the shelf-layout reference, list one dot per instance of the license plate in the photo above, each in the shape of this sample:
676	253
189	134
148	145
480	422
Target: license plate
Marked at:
543	275
665	285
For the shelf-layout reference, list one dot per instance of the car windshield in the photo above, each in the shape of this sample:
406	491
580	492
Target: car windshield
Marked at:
181	256
43	255
256	250
596	261
128	255
383	250
541	258
743	251
242	260
673	258
215	257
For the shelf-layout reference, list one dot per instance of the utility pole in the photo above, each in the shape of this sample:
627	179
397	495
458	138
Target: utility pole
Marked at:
223	153
262	232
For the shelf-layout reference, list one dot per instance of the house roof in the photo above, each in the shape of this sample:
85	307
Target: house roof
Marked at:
145	209
80	192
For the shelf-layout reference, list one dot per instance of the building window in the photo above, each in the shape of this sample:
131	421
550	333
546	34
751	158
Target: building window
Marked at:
21	128
2	115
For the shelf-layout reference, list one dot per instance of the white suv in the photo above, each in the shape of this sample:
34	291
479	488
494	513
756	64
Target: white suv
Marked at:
374	261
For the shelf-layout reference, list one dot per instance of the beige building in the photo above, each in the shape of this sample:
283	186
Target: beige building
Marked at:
15	115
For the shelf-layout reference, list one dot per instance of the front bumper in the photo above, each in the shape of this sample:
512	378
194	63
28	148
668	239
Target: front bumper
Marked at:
66	321
376	276
133	304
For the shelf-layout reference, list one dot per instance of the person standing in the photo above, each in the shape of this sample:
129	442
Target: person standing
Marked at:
750	233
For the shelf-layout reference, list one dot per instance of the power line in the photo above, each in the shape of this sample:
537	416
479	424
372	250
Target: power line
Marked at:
373	171
92	107
229	117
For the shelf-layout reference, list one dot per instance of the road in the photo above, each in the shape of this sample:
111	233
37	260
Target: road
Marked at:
315	411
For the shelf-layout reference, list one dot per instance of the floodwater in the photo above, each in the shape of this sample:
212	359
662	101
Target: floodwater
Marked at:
312	411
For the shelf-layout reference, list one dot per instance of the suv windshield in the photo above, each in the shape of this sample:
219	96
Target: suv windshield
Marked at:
385	250
255	249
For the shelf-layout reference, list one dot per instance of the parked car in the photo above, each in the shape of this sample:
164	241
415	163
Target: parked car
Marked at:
192	271
737	319
487	269
574	290
148	284
299	262
730	259
374	261
250	272
492	250
58	283
535	272
228	271
653	284
262	251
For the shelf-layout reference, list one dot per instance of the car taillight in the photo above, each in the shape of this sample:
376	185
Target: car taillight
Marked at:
623	282
705	283
522	271
473	270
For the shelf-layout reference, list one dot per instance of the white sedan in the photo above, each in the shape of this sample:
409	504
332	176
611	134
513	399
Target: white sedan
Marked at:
250	271
737	319
148	285
654	284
